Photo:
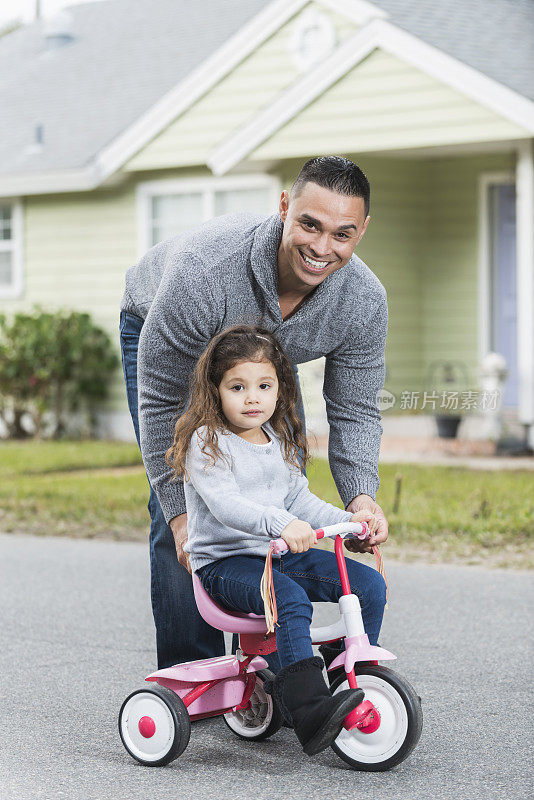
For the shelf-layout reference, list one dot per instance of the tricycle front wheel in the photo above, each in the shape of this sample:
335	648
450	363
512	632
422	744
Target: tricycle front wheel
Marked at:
401	721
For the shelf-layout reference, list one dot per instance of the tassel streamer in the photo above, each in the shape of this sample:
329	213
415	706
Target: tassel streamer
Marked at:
380	567
267	592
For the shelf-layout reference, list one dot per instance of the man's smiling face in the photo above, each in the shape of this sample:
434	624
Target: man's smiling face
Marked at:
321	230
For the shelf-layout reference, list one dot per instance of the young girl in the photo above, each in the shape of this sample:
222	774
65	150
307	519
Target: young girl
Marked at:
237	447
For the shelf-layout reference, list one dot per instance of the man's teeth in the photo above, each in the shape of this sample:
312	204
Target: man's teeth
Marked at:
315	264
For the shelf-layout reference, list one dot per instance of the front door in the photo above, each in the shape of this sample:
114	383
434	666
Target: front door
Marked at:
503	284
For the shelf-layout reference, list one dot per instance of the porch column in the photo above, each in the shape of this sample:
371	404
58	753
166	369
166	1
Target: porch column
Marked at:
525	285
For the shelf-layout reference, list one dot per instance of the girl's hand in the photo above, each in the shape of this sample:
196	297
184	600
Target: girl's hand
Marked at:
356	545
299	536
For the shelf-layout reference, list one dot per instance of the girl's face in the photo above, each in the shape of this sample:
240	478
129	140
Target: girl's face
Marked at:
248	393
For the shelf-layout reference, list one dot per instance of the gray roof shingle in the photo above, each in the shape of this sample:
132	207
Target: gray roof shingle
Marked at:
495	37
124	56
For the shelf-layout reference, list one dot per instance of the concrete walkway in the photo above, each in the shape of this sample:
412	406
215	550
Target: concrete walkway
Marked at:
491	463
434	452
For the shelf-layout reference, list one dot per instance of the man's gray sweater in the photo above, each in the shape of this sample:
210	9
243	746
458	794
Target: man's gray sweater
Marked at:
223	273
247	498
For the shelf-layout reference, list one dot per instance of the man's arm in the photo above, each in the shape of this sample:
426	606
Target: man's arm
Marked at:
182	319
354	373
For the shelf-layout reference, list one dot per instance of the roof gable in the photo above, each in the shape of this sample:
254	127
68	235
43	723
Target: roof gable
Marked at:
134	68
259	78
480	109
381	104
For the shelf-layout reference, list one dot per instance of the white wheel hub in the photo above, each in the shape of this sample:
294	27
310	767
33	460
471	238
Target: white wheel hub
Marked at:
374	748
253	721
141	707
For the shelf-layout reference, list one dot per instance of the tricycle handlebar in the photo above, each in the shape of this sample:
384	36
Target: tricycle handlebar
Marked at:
358	530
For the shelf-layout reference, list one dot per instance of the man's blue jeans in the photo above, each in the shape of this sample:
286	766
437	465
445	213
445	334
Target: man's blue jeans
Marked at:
181	633
298	578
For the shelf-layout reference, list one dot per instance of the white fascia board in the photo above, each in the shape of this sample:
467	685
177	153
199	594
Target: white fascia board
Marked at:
34	183
377	34
289	103
220	64
198	83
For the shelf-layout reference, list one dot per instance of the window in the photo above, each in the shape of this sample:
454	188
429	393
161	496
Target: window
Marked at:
167	208
10	249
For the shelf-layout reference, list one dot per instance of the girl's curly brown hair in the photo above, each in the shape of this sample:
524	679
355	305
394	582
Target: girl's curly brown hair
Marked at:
225	350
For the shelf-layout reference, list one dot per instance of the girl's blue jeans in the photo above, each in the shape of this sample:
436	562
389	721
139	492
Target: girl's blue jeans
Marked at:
299	579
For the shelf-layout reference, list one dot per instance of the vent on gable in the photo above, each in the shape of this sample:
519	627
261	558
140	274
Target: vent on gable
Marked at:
313	39
38	140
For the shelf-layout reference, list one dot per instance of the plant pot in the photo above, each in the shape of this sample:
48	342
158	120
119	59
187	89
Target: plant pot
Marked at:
447	425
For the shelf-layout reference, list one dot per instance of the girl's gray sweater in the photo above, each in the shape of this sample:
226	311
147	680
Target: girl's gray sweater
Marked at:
224	273
246	499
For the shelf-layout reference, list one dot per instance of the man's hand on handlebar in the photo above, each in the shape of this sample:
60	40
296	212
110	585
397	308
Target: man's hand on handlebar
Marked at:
358	545
299	536
179	531
363	504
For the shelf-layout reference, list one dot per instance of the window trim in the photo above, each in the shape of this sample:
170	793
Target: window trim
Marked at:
207	185
15	246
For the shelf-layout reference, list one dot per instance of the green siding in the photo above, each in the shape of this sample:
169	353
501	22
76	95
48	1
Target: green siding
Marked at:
422	243
253	84
450	272
385	104
77	248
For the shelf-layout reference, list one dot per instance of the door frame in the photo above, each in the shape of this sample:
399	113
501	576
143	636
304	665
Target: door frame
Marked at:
485	182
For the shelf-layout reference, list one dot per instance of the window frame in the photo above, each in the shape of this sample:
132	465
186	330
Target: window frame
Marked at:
207	186
13	245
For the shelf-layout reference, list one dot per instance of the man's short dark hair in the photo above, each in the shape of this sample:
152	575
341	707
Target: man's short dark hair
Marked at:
337	174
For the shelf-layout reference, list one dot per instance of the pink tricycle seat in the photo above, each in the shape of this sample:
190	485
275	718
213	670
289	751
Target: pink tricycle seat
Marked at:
223	620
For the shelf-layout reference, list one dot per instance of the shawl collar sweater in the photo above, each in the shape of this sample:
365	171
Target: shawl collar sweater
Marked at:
225	272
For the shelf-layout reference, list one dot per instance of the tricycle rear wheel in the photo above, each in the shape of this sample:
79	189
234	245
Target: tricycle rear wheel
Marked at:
154	725
262	719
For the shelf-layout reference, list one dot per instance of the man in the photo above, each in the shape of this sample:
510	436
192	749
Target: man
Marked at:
295	274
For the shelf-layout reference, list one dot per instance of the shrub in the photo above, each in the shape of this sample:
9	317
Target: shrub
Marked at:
51	364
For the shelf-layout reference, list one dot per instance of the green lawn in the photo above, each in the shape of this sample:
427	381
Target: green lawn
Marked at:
99	489
452	513
38	458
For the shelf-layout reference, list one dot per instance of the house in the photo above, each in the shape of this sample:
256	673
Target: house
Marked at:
125	123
